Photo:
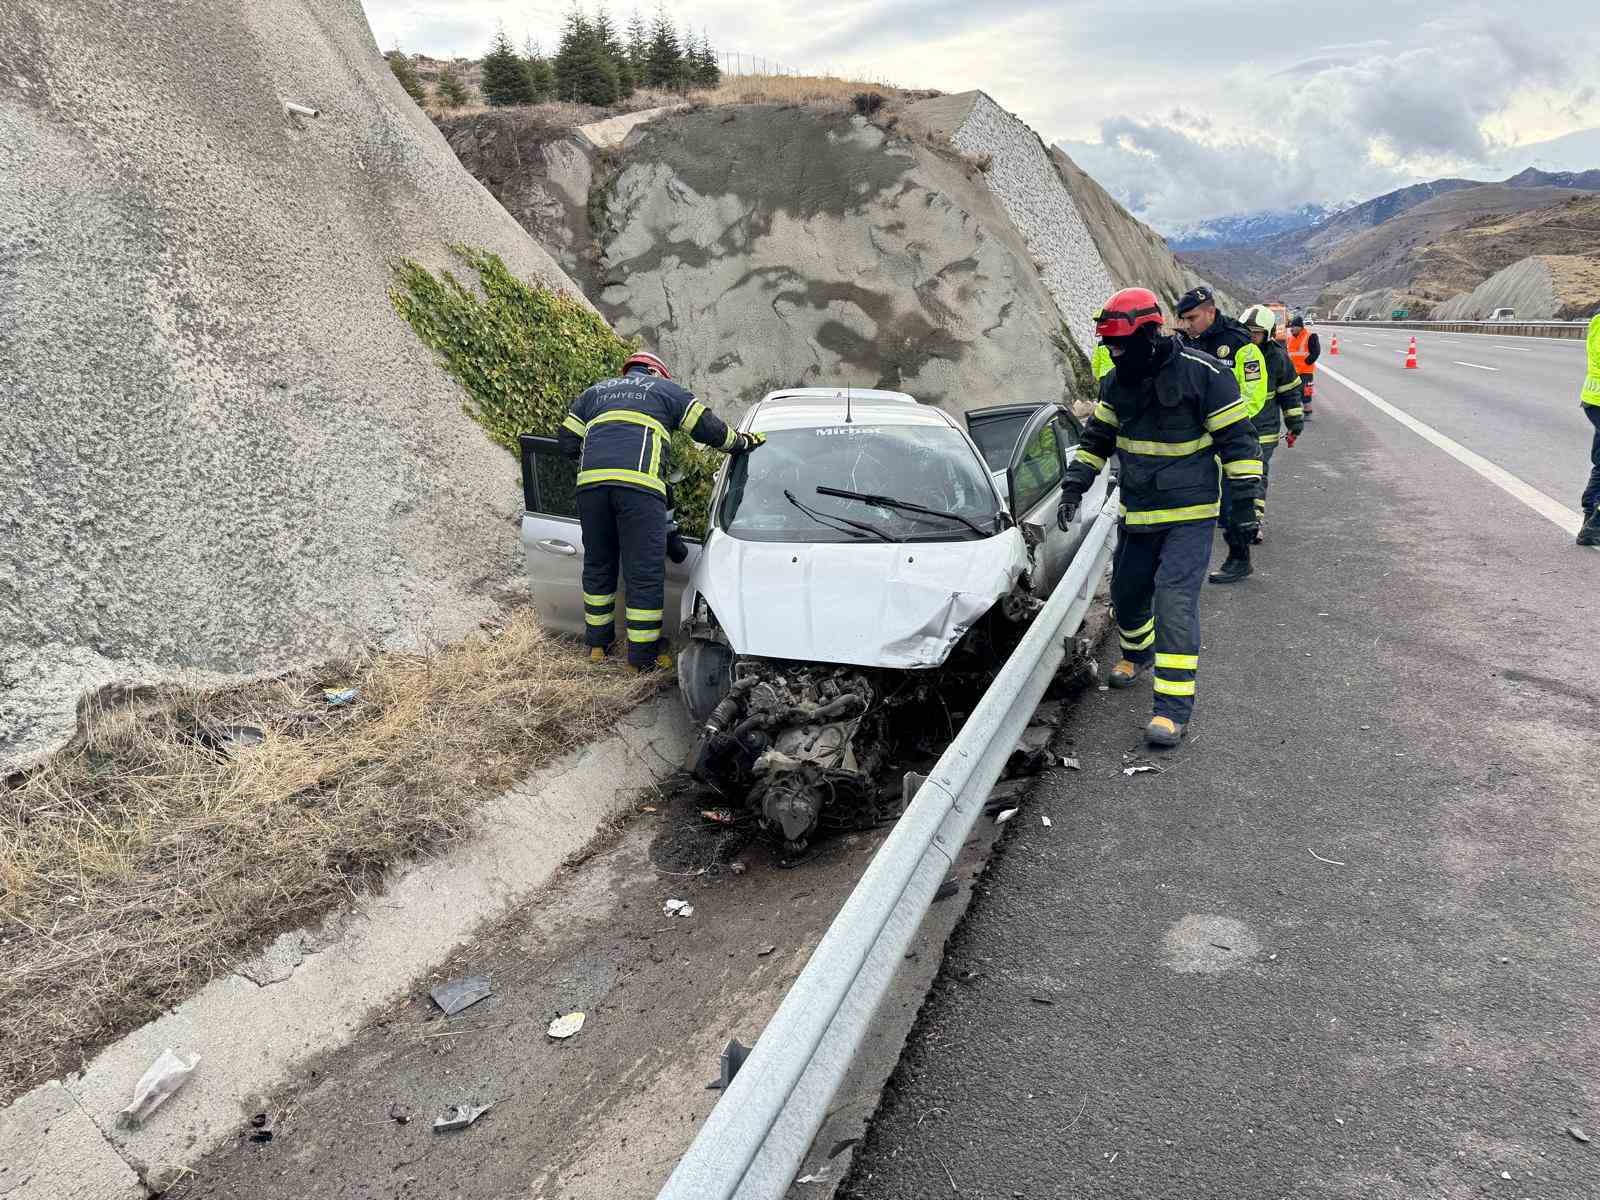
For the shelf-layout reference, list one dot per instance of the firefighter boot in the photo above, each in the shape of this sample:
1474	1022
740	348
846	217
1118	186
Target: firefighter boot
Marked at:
1126	674
1164	732
597	654
661	662
1235	568
1589	535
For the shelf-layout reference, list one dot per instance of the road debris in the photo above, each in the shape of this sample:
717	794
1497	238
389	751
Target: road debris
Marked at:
455	995
339	697
1576	1133
1044	820
1002	818
738	868
840	1147
730	1060
1332	862
165	1076
1045	1000
459	1116
678	908
947	889
1142	769
399	1114
719	816
815	1177
1070	763
261	1127
763	951
564	1027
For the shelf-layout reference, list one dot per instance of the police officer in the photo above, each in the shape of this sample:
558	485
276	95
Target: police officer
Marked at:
1168	411
1589	535
1224	338
1304	347
1283	396
620	430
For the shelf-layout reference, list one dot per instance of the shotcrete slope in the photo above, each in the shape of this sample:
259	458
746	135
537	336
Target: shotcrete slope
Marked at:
223	451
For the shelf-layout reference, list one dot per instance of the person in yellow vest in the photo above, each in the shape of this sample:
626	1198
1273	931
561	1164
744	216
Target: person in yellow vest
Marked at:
1589	535
1304	349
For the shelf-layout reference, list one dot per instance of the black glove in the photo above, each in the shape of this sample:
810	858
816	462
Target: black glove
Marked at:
1068	510
746	442
677	548
1243	517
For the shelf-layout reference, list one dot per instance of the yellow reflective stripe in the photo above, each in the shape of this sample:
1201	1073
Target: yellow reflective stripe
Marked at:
629	417
729	441
1173	687
1290	386
1164	449
1105	413
644	614
637	478
1243	468
691	416
1147	627
1227	416
1139	641
599	601
1268	439
1094	460
1164	516
644	635
605	619
1179	662
655	455
577	426
1296	411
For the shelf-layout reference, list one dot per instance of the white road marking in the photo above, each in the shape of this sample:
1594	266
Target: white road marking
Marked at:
1479	366
1551	510
1370	345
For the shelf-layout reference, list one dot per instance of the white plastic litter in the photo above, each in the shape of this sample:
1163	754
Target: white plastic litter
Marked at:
165	1076
565	1027
678	908
1005	816
1045	820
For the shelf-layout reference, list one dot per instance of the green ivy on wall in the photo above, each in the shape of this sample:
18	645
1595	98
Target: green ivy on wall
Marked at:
523	353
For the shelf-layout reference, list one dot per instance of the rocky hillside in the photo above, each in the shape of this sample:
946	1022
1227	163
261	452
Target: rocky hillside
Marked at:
224	451
1541	287
933	245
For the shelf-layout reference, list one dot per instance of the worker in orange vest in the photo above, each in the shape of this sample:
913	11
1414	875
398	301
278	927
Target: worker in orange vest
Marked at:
1304	349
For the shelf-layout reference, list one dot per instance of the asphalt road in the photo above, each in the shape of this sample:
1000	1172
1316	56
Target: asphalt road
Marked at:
1345	943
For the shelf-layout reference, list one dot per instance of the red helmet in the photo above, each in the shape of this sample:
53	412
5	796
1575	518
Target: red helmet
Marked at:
1128	310
645	359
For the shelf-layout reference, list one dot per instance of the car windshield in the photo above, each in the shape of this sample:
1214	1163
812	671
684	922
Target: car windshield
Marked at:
930	466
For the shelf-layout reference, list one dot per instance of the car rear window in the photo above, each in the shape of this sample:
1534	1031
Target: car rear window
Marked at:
929	465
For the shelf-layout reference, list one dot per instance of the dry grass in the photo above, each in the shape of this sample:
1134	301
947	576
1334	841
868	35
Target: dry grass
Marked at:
151	854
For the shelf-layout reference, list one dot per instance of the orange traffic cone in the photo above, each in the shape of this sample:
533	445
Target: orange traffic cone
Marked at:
1411	355
1334	349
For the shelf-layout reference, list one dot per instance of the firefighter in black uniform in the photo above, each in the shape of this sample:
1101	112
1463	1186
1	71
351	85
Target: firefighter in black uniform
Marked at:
1170	413
1205	328
620	430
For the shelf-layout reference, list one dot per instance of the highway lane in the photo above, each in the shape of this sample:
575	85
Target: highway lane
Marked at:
1347	943
1517	405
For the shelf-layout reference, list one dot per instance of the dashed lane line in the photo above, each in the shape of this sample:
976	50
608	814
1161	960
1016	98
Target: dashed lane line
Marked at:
1479	366
1550	509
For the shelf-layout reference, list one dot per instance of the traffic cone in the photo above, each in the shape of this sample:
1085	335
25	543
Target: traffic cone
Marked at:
1411	355
1334	349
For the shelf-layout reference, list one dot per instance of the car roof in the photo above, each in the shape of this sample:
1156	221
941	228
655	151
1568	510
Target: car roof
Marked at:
807	408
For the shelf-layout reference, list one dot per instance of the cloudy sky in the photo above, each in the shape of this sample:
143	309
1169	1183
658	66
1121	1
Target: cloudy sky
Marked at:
1183	112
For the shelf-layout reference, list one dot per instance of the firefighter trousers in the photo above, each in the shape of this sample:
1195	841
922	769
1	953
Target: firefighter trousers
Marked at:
1229	534
624	528
1591	494
1155	590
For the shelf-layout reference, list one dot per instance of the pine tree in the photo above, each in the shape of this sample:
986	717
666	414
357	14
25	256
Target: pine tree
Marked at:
665	59
451	89
610	43
505	81
585	72
638	45
708	73
576	35
406	73
541	75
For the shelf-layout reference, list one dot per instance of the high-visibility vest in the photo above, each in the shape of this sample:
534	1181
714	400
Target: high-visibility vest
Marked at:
1591	385
1299	345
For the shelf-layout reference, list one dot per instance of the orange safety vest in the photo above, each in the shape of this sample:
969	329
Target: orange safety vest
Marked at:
1299	345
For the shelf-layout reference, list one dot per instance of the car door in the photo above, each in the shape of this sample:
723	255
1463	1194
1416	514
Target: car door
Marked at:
552	544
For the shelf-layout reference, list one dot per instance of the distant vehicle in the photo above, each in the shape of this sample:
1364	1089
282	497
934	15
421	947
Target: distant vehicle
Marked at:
1503	314
864	575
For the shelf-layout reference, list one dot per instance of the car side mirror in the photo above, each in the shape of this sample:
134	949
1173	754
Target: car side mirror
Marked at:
1032	534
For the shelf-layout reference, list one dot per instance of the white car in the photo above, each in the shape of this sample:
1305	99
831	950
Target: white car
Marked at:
865	573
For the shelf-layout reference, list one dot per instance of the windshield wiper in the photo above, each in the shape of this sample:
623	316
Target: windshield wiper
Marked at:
891	502
824	518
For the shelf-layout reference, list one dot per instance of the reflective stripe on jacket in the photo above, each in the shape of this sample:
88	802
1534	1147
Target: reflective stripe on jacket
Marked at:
621	430
1591	385
1230	342
1168	433
1286	395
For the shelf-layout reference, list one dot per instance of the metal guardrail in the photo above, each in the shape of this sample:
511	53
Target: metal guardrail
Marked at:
756	1138
1555	329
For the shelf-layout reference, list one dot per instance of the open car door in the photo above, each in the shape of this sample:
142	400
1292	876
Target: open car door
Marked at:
552	544
1032	444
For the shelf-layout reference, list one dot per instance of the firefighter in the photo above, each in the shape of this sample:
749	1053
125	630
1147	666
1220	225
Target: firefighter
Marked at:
1168	411
1283	392
1224	338
1304	349
620	430
1589	535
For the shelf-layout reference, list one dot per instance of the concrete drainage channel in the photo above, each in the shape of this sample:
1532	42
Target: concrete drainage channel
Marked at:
302	1022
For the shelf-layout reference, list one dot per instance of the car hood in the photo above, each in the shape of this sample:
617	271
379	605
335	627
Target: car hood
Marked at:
902	604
